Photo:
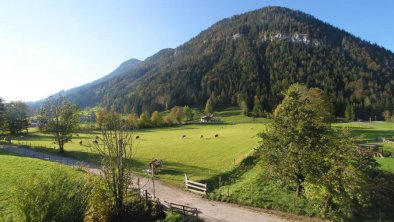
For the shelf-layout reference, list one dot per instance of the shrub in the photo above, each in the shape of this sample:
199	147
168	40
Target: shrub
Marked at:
55	196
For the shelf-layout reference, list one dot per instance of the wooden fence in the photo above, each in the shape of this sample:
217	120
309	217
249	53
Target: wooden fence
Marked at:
184	210
145	194
195	187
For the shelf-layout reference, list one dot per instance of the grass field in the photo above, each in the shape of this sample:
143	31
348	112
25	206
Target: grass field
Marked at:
15	168
369	132
200	158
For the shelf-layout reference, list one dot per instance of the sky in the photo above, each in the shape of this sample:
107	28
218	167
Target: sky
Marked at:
52	45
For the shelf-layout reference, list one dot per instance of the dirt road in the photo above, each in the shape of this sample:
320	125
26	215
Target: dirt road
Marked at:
208	210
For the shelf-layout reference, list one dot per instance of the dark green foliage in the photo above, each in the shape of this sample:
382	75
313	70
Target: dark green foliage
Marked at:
57	196
189	114
16	117
2	119
257	107
349	112
260	53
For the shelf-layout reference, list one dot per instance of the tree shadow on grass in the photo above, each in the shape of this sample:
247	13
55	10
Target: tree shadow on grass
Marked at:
370	133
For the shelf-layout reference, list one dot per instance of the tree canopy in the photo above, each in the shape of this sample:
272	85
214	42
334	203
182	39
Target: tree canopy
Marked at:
16	117
301	149
59	117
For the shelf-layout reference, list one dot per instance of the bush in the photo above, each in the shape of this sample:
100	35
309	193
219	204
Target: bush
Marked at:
55	196
101	206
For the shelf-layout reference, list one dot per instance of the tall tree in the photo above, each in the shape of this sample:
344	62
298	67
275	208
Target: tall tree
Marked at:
257	107
144	119
156	118
116	148
293	145
244	108
2	119
349	112
386	115
59	117
209	106
343	183
16	117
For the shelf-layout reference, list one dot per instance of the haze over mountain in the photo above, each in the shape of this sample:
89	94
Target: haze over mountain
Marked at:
123	69
259	53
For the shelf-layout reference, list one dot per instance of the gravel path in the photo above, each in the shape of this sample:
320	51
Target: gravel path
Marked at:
208	210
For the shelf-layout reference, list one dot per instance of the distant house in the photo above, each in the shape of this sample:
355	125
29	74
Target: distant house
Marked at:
33	123
207	118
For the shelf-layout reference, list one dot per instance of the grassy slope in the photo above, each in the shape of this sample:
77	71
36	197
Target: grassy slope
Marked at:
199	158
15	168
268	194
369	132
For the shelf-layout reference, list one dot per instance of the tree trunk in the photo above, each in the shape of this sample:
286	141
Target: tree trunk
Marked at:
327	203
299	189
61	147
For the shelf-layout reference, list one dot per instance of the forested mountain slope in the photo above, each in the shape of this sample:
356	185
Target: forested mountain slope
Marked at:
259	53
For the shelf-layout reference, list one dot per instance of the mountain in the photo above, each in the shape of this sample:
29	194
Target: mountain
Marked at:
76	94
259	53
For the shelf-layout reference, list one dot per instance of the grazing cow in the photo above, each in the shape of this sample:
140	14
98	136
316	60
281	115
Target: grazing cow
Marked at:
95	141
137	137
201	136
217	135
77	135
184	136
80	142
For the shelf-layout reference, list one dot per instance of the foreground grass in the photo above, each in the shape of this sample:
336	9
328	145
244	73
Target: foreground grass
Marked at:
16	168
200	158
250	188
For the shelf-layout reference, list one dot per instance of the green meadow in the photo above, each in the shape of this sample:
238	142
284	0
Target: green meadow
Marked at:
200	158
369	132
16	168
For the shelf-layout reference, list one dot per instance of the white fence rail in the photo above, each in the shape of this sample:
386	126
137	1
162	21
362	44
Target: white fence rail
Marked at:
195	187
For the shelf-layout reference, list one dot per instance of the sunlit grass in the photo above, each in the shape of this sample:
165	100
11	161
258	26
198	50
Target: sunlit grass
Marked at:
16	168
200	158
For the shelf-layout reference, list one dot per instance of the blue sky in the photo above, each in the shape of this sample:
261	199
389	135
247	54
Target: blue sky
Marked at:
50	45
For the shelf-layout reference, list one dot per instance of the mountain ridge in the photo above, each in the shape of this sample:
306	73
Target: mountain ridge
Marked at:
258	53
